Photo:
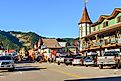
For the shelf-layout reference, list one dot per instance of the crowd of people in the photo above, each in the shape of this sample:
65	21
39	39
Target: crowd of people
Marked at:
42	57
38	57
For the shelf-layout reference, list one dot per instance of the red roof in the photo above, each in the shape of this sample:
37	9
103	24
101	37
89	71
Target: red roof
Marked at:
10	51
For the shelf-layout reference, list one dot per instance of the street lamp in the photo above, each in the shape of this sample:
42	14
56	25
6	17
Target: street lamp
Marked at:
7	48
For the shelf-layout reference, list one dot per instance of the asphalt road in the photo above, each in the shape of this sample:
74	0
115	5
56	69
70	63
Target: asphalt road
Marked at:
54	72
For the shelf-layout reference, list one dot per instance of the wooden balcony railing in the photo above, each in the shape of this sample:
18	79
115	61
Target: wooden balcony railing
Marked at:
119	40
101	42
113	40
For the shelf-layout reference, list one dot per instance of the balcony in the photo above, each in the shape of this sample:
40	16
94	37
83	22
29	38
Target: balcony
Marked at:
119	40
87	45
103	42
94	43
113	40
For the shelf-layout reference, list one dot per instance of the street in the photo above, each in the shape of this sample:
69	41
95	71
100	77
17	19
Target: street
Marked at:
54	72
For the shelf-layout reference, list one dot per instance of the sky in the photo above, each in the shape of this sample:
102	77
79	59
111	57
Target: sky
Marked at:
51	18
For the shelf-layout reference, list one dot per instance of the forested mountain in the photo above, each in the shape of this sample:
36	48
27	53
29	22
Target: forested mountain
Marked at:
8	41
16	40
27	39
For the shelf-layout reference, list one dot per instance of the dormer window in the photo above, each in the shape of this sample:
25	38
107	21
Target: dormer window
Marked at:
119	19
105	24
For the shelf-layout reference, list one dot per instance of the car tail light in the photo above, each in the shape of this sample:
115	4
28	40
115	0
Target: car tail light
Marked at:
81	60
95	60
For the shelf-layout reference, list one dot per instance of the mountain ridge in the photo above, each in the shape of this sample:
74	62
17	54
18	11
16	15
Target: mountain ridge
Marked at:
18	39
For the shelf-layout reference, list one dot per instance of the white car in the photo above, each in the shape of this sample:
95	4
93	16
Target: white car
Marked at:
78	60
60	59
7	63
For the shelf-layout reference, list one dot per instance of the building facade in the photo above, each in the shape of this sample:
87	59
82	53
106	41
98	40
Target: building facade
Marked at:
104	34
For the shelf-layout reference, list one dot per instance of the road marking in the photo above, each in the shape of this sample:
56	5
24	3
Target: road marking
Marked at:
66	73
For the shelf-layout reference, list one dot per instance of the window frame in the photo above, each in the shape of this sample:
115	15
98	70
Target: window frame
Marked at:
118	19
105	24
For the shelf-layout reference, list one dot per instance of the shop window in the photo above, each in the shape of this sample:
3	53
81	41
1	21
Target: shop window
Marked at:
105	24
119	19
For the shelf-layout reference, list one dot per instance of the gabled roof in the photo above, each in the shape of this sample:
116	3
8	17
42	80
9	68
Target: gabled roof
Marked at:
85	17
51	43
108	17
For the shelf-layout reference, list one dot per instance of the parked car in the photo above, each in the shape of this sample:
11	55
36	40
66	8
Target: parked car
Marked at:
60	59
78	60
7	63
110	58
68	60
90	60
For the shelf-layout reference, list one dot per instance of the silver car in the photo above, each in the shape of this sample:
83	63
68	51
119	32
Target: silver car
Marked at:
7	63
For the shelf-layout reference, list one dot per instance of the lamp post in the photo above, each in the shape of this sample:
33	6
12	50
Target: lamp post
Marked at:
7	48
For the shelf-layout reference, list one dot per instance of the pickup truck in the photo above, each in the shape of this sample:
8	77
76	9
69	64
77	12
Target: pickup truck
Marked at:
109	58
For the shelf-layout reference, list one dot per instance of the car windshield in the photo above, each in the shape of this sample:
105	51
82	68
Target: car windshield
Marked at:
5	58
57	56
91	57
62	56
68	56
111	53
78	57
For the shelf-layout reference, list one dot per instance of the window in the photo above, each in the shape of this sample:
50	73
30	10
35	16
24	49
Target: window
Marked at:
119	19
94	29
105	24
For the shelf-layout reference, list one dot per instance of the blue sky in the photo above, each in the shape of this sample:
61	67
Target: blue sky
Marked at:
51	18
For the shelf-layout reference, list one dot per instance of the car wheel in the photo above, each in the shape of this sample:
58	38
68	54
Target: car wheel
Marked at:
101	66
58	63
86	65
118	66
74	65
66	64
11	69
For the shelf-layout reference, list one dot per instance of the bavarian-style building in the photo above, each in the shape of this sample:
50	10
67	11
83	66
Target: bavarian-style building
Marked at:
101	35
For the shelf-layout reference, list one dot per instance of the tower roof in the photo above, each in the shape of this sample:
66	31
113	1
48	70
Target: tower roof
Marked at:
85	17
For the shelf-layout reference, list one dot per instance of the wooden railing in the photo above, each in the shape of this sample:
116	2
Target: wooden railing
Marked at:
102	42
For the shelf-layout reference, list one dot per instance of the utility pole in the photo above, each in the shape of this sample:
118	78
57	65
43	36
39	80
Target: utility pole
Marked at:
7	48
